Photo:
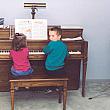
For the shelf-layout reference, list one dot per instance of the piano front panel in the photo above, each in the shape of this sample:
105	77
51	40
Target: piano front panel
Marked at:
71	67
39	45
4	75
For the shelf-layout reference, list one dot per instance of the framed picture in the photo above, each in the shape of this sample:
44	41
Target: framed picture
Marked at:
1	22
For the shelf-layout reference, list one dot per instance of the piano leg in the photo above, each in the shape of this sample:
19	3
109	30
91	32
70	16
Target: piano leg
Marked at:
84	76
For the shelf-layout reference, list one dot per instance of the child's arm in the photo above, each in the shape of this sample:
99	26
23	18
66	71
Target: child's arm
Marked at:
27	53
10	56
67	54
47	49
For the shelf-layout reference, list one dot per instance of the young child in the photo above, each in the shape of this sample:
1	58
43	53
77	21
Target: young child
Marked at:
19	54
56	52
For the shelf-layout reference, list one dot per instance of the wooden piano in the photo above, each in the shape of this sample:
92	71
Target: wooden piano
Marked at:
78	50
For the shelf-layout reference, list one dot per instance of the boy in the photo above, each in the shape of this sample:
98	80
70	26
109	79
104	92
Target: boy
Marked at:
56	52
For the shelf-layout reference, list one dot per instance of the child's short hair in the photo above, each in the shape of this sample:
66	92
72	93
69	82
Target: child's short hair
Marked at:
19	41
57	29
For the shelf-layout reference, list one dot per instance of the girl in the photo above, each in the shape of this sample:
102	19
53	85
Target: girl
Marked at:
19	54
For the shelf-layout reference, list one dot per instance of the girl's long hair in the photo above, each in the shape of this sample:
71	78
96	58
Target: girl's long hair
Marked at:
19	41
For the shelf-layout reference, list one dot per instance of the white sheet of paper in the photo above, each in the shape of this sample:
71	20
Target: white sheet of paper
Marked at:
35	29
72	39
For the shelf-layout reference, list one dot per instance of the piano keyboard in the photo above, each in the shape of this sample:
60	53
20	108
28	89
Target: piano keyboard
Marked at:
6	52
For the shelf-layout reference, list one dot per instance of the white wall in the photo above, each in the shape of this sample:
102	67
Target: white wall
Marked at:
93	15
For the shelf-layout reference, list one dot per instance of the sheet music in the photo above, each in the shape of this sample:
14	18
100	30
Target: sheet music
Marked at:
69	39
71	27
35	29
39	29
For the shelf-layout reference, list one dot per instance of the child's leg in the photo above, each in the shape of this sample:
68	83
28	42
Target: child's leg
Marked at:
21	73
14	73
17	73
56	73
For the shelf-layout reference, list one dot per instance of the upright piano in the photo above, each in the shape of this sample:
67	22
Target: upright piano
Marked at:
77	47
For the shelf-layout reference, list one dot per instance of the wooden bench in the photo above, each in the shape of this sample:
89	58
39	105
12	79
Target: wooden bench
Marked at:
39	82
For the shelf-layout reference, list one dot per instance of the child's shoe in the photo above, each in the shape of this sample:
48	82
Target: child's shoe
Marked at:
16	88
57	89
26	87
48	91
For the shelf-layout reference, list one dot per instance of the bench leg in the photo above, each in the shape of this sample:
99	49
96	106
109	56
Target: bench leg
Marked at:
60	96
12	96
64	97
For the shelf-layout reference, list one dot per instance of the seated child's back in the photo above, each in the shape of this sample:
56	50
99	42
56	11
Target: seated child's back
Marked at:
19	55
56	52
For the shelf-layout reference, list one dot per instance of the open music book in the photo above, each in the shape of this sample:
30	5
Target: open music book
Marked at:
34	29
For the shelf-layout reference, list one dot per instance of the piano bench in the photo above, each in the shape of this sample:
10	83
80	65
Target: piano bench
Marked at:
39	82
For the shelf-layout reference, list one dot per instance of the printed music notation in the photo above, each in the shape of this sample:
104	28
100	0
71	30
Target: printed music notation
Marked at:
34	29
